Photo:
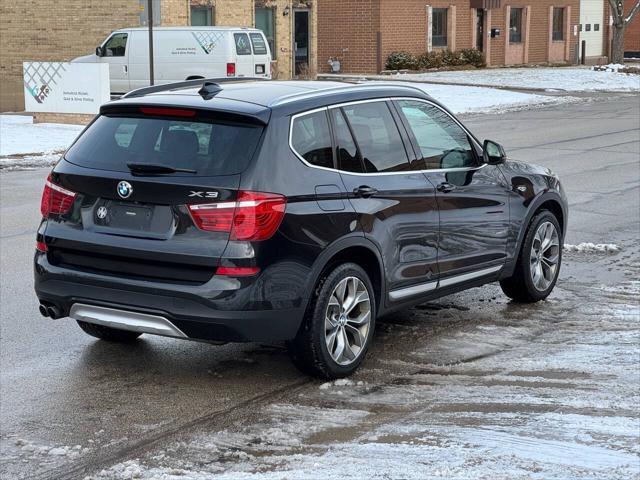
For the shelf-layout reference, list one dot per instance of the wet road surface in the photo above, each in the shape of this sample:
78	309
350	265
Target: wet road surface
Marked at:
470	383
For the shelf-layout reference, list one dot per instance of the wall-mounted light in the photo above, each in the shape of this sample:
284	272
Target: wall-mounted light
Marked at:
286	11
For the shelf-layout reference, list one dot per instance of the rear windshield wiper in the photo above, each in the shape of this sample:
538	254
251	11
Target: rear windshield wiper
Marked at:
151	168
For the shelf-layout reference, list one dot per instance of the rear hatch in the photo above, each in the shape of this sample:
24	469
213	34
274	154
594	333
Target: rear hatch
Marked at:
127	200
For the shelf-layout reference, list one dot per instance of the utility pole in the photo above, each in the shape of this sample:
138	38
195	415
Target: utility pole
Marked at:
150	24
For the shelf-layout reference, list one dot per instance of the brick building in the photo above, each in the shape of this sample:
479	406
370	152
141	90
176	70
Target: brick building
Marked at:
59	30
632	35
362	33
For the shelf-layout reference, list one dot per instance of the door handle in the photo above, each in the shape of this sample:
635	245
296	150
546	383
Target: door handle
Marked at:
125	68
446	187
365	191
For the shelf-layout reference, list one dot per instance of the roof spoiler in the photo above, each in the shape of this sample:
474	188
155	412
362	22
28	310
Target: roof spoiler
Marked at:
141	92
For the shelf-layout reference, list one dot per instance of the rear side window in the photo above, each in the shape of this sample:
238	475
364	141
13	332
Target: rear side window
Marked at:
243	47
311	139
259	45
208	147
377	136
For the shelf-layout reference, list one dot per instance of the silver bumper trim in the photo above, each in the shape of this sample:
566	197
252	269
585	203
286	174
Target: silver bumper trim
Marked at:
125	320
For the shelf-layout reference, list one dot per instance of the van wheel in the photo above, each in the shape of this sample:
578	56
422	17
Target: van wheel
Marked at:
107	333
337	330
539	261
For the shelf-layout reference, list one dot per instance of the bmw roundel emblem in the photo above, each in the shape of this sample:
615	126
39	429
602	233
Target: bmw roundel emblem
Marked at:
124	189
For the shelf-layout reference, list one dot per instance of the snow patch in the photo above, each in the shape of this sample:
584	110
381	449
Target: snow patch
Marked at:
588	247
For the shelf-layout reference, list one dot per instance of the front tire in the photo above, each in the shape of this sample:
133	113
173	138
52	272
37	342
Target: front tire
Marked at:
107	333
538	263
337	330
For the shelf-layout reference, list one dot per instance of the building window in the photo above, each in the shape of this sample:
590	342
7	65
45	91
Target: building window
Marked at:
587	27
596	27
202	16
558	24
439	27
265	21
515	26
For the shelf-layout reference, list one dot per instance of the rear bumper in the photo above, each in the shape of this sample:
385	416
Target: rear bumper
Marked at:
200	312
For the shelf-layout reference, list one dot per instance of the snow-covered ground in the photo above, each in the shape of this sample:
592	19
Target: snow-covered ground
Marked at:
528	394
462	99
570	79
24	144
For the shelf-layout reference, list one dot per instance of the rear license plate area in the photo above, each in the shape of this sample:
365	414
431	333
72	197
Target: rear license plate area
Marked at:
260	69
123	216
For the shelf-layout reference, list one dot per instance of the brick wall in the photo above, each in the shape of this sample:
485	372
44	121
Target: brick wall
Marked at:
174	12
632	35
349	30
53	31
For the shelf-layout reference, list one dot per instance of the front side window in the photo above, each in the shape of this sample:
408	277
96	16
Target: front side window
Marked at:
439	27
443	143
515	26
265	21
558	24
311	139
202	16
116	46
243	47
377	136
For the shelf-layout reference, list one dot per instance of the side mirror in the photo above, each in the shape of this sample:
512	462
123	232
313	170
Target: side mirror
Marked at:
493	153
99	52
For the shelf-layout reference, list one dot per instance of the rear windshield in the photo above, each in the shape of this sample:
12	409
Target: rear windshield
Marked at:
259	45
208	147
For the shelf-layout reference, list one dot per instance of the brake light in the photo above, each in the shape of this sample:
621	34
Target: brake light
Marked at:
55	199
168	112
254	216
41	247
231	69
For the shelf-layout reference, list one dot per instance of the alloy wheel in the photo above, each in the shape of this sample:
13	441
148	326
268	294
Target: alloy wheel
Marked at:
545	256
347	320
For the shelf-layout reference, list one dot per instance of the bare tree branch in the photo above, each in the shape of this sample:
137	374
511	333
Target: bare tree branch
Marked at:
635	9
617	10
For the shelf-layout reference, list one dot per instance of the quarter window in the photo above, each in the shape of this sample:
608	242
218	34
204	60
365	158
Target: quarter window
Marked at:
439	27
116	45
515	26
311	139
377	136
443	143
243	47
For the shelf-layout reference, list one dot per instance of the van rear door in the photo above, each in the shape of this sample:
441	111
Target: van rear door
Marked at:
261	55
243	54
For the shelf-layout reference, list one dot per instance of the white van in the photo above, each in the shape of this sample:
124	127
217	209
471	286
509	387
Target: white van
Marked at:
182	53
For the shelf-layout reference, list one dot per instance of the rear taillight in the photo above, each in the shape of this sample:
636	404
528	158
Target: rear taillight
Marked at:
231	69
55	199
253	216
41	247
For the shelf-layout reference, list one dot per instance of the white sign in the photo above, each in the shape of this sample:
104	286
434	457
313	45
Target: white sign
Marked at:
65	87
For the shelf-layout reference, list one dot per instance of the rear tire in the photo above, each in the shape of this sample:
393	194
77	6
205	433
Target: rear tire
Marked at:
107	333
338	327
527	285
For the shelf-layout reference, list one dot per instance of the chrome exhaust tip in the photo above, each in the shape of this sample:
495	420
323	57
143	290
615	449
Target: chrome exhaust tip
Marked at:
54	312
44	311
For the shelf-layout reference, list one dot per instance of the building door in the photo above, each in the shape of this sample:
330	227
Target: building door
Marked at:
480	29
301	41
592	23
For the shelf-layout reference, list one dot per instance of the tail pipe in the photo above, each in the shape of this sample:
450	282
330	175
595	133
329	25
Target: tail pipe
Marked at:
50	310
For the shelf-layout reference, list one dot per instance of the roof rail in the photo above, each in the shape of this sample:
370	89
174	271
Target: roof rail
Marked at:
141	92
327	91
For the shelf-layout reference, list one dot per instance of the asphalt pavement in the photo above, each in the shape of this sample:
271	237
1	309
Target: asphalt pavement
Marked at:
72	406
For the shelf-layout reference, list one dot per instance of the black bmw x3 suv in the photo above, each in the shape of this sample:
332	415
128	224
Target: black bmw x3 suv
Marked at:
285	211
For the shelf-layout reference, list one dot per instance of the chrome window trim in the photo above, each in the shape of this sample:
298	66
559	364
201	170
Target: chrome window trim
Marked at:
413	290
386	99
